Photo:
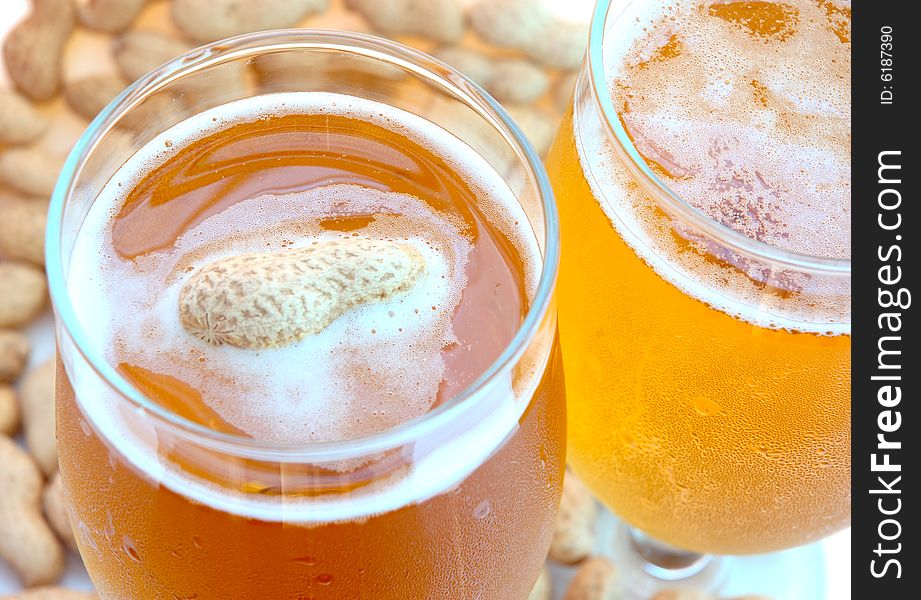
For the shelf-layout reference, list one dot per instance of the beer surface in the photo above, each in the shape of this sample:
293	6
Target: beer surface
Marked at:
279	172
744	108
769	159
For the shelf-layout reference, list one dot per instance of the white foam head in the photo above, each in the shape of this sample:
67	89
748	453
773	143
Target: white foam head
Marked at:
736	130
377	366
754	127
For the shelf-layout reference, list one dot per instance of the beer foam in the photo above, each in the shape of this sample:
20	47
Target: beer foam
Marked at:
377	366
724	115
747	115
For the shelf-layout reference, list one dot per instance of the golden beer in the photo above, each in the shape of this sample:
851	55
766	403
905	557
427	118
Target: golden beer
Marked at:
397	452
709	372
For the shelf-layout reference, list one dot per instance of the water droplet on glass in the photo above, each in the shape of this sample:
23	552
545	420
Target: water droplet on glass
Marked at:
482	510
130	549
707	407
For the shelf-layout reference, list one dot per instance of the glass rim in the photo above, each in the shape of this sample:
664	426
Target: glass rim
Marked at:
662	192
417	64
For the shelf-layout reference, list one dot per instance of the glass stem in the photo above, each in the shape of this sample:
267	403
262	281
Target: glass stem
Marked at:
666	562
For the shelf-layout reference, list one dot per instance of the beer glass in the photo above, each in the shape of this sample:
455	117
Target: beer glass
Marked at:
707	359
172	498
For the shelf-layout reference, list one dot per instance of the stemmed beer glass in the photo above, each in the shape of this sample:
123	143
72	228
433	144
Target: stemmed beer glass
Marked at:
703	187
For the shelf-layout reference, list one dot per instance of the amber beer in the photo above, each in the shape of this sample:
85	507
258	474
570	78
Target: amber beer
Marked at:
391	455
708	371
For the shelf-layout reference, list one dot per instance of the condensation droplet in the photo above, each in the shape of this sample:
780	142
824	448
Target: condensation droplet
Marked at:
482	510
706	407
130	549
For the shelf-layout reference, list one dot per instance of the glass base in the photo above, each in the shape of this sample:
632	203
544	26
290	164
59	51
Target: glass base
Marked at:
647	566
796	574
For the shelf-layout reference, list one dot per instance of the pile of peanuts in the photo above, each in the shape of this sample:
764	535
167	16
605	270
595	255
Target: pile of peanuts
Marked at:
68	58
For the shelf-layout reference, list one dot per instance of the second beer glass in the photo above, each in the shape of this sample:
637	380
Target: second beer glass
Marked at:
704	195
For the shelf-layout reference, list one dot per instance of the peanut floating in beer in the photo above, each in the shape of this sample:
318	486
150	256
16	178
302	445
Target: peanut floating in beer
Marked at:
272	299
